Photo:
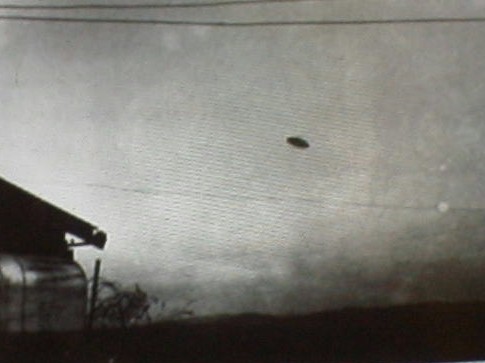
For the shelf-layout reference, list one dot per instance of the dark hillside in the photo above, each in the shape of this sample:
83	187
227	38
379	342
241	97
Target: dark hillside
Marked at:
433	332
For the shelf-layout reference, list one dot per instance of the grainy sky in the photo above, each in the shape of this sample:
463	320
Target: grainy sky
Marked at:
172	139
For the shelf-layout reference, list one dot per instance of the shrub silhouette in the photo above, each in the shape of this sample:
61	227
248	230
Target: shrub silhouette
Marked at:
119	307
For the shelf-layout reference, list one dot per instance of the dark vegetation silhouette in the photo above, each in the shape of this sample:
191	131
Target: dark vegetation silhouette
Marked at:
429	332
133	326
118	306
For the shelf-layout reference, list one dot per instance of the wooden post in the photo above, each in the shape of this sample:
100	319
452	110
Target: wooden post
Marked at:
94	293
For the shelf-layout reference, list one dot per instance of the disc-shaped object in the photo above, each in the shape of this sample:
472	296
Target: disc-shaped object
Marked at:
297	142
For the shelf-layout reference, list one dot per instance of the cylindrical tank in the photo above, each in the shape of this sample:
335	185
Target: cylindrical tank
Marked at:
41	294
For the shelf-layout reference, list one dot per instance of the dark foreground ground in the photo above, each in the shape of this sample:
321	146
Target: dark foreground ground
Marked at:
436	332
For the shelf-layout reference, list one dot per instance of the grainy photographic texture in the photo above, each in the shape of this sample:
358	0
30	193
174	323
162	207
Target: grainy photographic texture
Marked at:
263	157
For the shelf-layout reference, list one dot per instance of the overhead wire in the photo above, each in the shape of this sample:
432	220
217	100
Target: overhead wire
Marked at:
193	4
221	23
270	198
197	4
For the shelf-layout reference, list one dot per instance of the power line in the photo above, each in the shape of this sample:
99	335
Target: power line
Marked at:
286	198
150	5
239	24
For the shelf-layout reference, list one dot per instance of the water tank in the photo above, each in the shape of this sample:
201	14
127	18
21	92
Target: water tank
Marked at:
41	294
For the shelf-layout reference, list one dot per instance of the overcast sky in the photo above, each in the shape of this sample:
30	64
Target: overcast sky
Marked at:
172	140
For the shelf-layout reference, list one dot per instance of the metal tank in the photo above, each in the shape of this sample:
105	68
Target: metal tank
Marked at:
42	288
41	294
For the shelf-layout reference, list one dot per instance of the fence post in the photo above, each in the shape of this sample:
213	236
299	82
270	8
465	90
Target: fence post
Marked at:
94	293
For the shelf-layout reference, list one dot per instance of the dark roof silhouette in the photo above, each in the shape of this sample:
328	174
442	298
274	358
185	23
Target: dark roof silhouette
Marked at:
32	226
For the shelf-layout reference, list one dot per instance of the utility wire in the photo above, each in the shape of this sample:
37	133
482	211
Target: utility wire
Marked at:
294	198
239	24
151	5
